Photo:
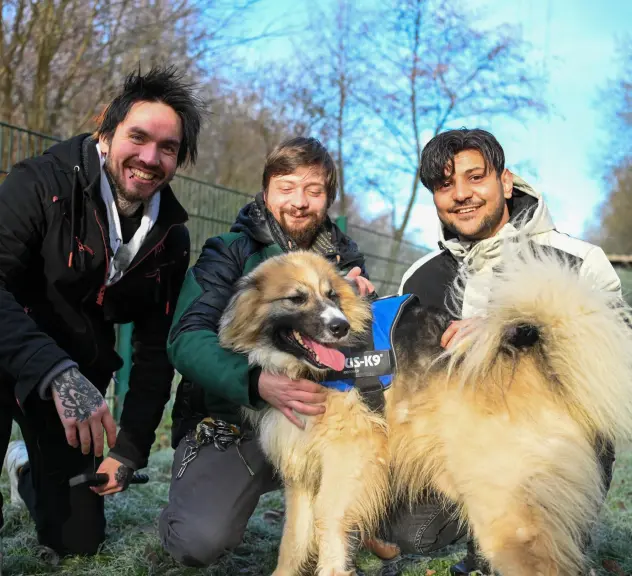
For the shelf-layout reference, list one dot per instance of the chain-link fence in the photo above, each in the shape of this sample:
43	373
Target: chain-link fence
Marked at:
212	209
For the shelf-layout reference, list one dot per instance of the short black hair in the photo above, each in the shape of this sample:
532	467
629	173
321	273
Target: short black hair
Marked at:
438	155
301	151
164	85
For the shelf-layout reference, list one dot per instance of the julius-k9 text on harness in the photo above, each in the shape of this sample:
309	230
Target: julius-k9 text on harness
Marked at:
370	366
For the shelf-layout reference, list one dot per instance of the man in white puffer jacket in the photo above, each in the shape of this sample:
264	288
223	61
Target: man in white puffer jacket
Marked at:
479	204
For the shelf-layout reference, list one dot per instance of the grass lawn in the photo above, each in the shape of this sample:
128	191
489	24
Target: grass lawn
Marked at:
132	546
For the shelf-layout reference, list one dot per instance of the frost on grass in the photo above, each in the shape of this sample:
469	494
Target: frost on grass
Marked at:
132	547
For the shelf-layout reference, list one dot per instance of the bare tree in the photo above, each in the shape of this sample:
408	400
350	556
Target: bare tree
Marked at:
250	116
434	67
61	59
611	229
335	55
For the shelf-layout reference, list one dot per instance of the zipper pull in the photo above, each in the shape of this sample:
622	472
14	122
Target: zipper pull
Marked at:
157	287
101	295
168	295
84	248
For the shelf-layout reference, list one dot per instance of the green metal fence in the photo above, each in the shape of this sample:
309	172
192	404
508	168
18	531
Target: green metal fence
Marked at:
19	143
212	210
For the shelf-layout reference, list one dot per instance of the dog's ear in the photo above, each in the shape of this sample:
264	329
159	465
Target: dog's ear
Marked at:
352	283
247	282
356	308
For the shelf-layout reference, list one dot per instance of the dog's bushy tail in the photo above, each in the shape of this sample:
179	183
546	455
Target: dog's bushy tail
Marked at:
540	302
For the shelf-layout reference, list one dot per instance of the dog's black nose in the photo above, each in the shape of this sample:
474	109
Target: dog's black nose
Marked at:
338	327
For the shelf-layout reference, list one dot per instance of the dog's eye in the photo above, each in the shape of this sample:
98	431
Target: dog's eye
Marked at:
332	295
297	298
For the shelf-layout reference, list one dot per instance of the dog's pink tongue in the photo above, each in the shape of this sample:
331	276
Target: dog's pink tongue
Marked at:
327	356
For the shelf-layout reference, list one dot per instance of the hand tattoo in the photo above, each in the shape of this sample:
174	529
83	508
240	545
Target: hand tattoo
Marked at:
78	395
123	476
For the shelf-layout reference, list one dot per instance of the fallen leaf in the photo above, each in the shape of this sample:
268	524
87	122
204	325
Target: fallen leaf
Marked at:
430	572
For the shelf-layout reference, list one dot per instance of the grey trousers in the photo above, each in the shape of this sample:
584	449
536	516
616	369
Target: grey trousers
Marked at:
210	504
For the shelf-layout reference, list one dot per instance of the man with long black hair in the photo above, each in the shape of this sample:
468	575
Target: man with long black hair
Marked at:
91	235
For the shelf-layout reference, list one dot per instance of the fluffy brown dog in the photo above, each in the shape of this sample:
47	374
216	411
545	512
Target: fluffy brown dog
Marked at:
504	424
289	315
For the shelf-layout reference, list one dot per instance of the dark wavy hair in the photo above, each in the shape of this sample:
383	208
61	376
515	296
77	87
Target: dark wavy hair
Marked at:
165	85
437	158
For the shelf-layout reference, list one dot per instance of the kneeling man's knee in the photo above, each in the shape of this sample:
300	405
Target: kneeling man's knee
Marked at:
194	543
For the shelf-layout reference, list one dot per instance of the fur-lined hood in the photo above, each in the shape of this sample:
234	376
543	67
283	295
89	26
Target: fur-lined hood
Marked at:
528	212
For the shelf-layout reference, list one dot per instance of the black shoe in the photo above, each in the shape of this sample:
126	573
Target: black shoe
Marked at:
460	569
47	555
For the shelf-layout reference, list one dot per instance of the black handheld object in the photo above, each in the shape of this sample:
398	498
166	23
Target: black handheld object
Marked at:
94	479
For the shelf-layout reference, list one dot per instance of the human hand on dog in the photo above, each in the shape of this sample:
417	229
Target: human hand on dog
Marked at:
364	286
287	395
457	330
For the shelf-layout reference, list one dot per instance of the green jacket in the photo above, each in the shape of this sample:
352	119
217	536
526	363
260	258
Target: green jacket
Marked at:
217	382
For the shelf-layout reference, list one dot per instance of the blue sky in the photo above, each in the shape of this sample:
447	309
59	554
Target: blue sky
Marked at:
559	154
578	43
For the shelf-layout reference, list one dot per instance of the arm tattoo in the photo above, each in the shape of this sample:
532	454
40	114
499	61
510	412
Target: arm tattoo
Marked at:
78	395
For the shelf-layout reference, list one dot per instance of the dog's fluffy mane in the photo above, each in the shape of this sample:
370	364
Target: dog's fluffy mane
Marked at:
522	422
544	288
249	308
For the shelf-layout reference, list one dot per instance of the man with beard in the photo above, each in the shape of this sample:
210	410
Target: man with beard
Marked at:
215	488
480	204
91	235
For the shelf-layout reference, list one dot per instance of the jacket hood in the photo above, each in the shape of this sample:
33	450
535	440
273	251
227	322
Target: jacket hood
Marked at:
76	152
528	215
78	157
255	221
252	221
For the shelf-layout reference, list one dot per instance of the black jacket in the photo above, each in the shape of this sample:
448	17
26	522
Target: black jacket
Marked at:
215	381
54	307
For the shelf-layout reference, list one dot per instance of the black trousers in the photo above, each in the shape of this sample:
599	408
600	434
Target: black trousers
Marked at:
68	520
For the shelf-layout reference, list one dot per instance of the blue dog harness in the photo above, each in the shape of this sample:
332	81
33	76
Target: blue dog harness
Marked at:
370	366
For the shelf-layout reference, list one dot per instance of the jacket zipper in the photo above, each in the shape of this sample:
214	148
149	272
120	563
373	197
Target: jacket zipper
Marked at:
168	296
157	276
101	293
83	247
148	253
